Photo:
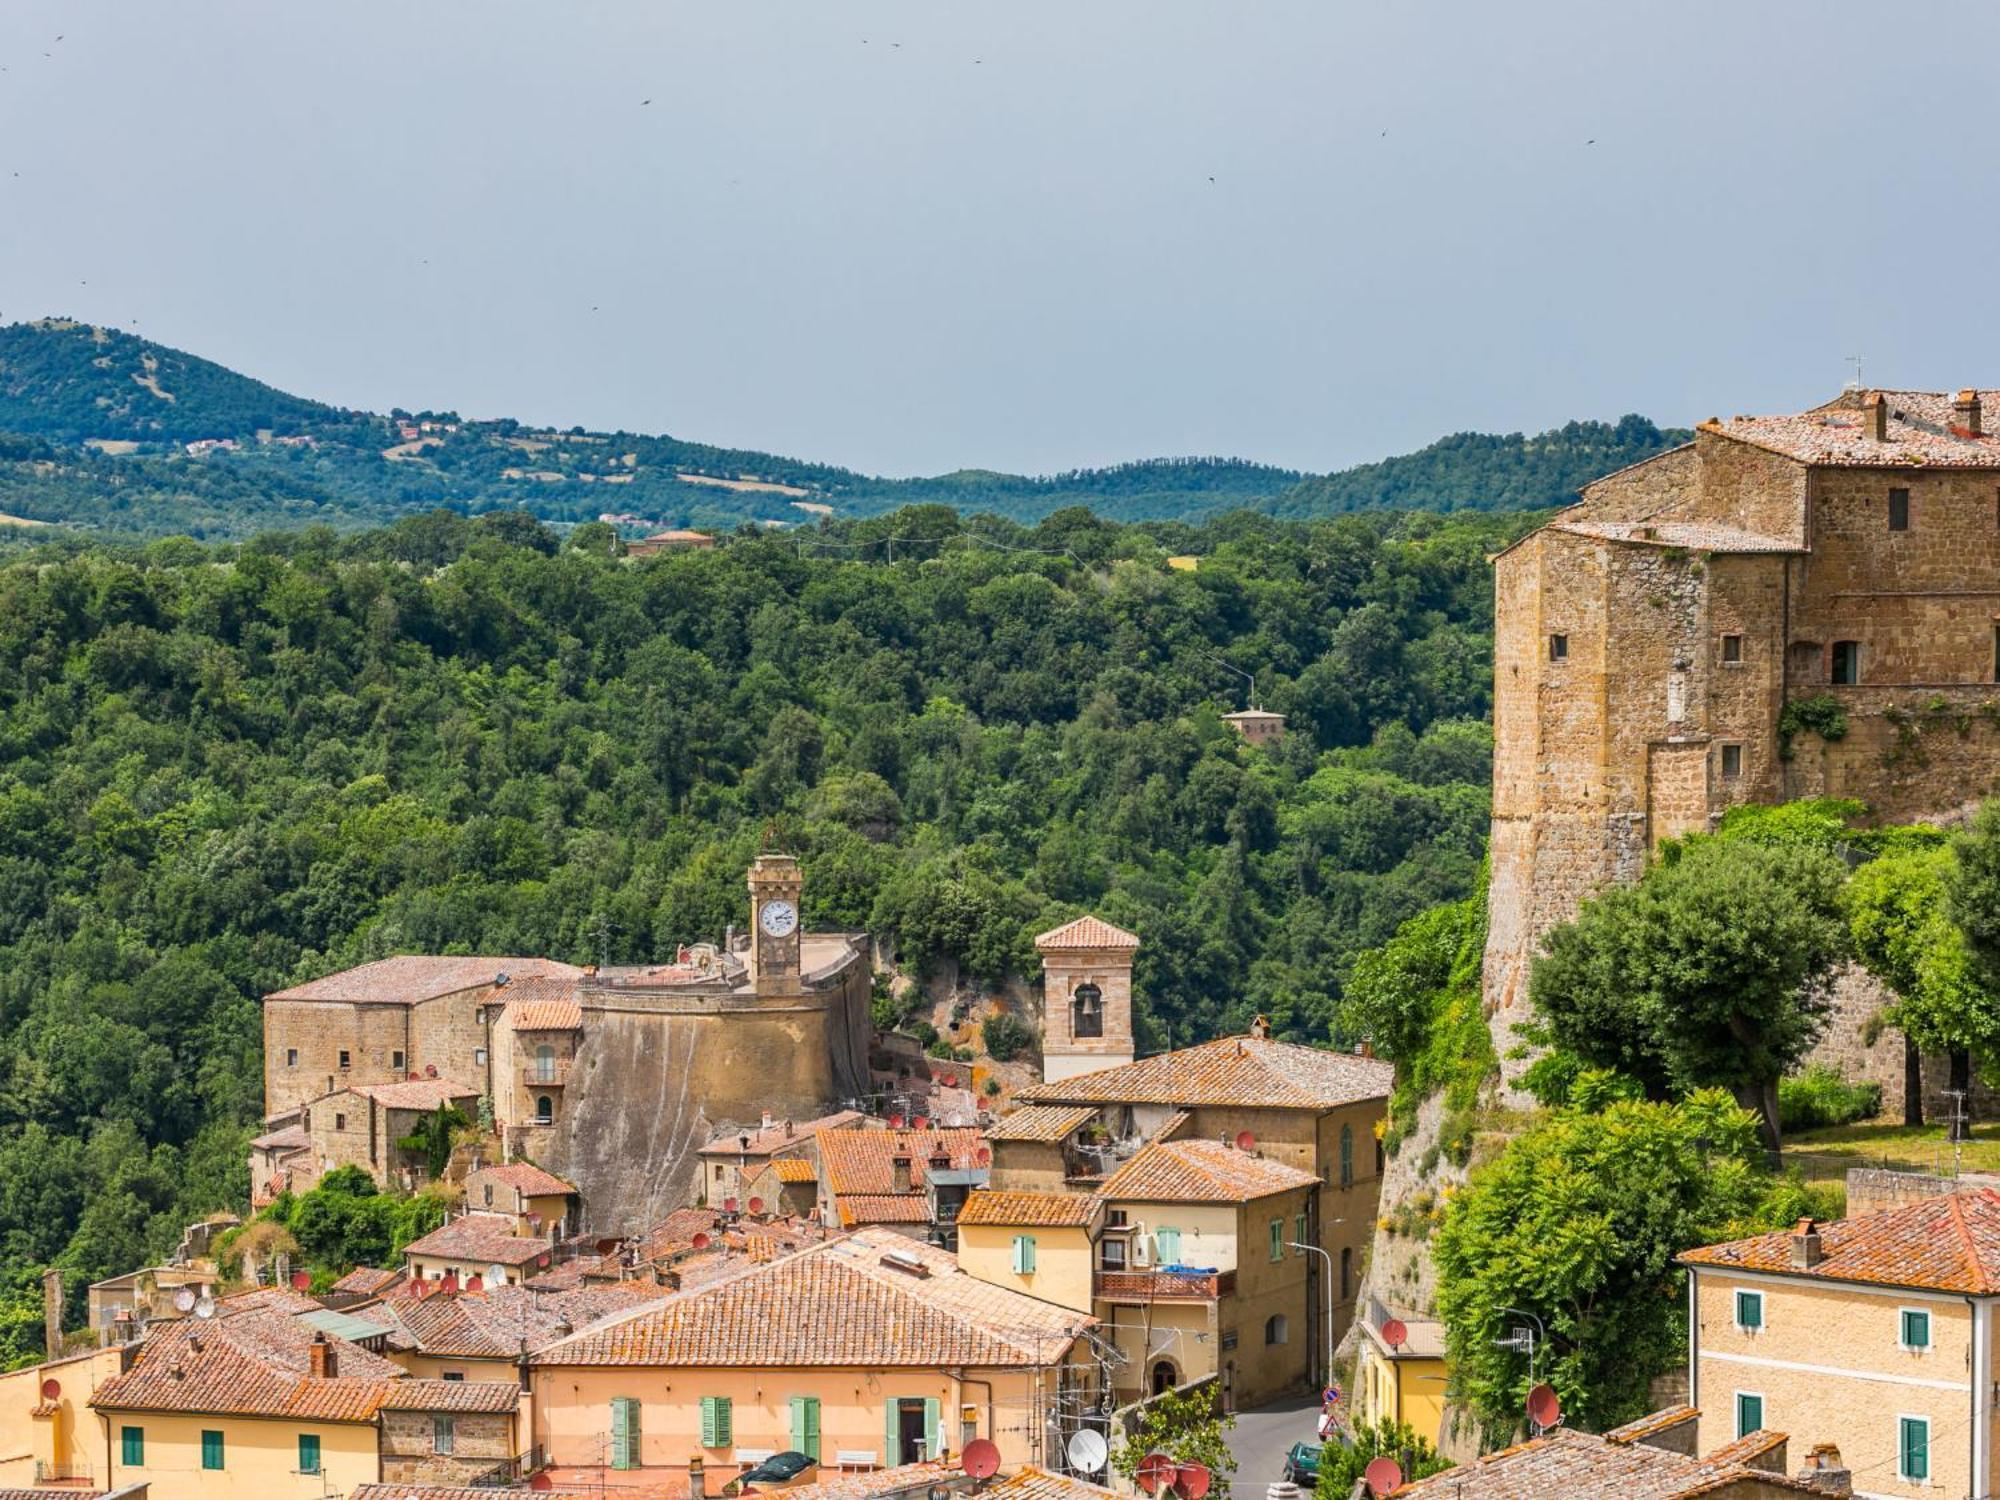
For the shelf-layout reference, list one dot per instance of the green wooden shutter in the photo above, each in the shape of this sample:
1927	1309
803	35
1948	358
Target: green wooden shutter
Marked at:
805	1426
133	1443
1347	1156
211	1449
1024	1255
1914	1456
933	1414
308	1453
715	1422
1277	1239
625	1431
892	1434
1167	1246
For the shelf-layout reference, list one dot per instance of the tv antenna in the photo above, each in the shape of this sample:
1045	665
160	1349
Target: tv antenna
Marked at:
1854	380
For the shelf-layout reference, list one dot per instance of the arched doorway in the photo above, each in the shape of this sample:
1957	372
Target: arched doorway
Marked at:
545	1110
1164	1376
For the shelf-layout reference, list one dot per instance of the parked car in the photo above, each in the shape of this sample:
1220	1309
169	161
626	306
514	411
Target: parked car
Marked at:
1302	1465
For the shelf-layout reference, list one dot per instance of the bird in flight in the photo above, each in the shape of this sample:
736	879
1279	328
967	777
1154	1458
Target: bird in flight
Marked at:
644	102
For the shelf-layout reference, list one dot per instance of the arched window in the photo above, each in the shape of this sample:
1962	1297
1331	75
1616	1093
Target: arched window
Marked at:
1347	1156
1276	1329
545	1110
1163	1377
1086	1011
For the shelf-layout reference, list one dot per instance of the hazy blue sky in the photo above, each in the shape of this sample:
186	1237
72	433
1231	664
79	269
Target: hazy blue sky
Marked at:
915	236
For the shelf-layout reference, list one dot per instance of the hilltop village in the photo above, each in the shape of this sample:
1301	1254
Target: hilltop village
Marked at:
704	1227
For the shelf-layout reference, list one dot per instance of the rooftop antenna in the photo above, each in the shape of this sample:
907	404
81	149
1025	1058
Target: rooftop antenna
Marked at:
602	930
1854	380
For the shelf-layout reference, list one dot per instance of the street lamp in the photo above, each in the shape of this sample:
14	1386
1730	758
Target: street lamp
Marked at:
1327	1374
1523	1340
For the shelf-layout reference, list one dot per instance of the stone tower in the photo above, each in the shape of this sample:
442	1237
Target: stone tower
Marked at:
1086	997
774	924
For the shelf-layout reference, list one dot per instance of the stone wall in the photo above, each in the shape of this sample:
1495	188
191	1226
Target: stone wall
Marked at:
1870	1189
410	1456
1861	1049
319	1032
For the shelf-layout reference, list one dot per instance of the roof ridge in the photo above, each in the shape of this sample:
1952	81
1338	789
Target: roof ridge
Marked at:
1980	1280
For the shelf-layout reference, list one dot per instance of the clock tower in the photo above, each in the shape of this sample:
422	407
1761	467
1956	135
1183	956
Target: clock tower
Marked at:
774	924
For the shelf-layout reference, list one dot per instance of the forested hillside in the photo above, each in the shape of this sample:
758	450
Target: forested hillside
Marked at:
95	427
222	770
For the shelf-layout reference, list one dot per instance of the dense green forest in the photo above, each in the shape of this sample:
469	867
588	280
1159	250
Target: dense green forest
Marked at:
223	769
95	426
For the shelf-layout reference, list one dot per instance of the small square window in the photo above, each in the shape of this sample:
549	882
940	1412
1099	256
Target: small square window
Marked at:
1750	1311
1558	648
1846	663
1732	648
1899	510
395	1062
479	1056
340	1122
292	1053
1916	1328
1732	762
345	1059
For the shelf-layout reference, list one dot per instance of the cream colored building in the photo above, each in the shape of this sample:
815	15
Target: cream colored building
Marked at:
1874	1333
48	1433
1041	1244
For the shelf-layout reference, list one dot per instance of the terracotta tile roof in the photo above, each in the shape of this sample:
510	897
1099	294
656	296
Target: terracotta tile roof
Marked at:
1922	430
1086	932
479	1240
1423	1339
490	1324
1946	1244
1048	1210
366	1281
291	1138
267	1299
1042	1122
453	1395
1202	1172
1581	1466
883	1208
1247	1071
252	1364
1691	536
544	1002
841	1303
795	1169
864	1161
1026	1483
781	1134
411	978
1653	1423
424	1094
526	1178
453	1492
677	1230
65	1492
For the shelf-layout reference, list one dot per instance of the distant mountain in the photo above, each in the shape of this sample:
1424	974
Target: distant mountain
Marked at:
103	429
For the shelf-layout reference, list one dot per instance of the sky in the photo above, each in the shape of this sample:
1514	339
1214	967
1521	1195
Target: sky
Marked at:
910	236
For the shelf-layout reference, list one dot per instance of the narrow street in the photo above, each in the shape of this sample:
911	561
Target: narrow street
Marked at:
1263	1435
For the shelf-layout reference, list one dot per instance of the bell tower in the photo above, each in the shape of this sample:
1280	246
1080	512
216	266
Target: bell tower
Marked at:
775	887
1086	997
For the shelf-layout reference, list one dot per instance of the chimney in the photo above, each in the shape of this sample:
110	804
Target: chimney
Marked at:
1261	1028
901	1181
319	1356
1367	1047
1805	1245
767	1120
1823	1471
1875	417
1965	413
697	1485
52	1298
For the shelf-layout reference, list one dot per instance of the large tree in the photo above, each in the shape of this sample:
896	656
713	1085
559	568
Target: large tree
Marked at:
1712	970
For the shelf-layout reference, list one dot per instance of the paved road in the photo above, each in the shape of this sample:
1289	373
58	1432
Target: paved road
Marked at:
1261	1438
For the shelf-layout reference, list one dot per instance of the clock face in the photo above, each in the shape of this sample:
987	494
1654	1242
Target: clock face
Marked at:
778	918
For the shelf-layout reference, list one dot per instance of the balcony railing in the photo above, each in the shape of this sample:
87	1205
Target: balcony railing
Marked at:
542	1075
63	1474
1164	1286
509	1471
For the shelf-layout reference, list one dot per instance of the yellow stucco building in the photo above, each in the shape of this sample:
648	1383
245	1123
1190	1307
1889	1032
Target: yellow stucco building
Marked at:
1402	1381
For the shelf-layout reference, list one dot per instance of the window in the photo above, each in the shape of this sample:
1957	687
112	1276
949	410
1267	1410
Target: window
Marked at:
1111	1254
625	1431
1347	1156
1299	1230
479	1056
1276	1329
339	1121
1378	1156
489	1195
444	1435
396	1062
132	1446
1346	1272
1558	648
1024	1255
545	1109
292	1053
345	1059
453	1375
1899	510
805	1426
1847	662
1915	1331
1732	648
308	1453
1277	1239
715	1421
1732	762
1086	1011
211	1450
1750	1311
1913	1448
1749	1413
1167	1246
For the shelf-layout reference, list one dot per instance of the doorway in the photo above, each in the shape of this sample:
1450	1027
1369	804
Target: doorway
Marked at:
1164	1377
910	1432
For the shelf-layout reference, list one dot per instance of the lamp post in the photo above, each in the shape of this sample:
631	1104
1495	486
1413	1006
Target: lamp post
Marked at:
1327	1373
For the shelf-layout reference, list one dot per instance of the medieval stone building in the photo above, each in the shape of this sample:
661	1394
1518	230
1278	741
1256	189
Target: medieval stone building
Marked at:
1649	640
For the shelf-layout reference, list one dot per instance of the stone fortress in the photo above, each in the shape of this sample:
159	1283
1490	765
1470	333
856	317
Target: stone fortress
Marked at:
1650	641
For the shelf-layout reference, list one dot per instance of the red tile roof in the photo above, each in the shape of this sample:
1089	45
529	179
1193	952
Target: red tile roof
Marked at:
1042	1122
544	1002
844	1303
1244	1071
1582	1466
779	1135
409	979
1086	932
526	1178
1202	1172
864	1161
1921	430
1946	1244
1689	536
1041	1210
250	1364
478	1240
452	1395
291	1138
883	1208
366	1281
455	1492
420	1094
795	1169
491	1324
1026	1483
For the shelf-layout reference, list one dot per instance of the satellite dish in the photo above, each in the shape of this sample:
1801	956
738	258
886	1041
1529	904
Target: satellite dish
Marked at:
475	1282
301	1280
981	1459
1394	1334
756	1205
949	1080
1544	1406
729	1205
983	1156
541	1481
184	1299
204	1307
1156	1471
895	1122
922	1122
1384	1475
496	1274
542	1259
1088	1451
1245	1141
700	1242
51	1388
1191	1481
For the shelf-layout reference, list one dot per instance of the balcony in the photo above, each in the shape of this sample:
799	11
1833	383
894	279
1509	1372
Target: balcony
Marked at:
546	1075
1164	1286
63	1475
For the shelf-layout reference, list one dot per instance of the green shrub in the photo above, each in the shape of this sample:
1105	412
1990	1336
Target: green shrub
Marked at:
1820	1097
1007	1036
